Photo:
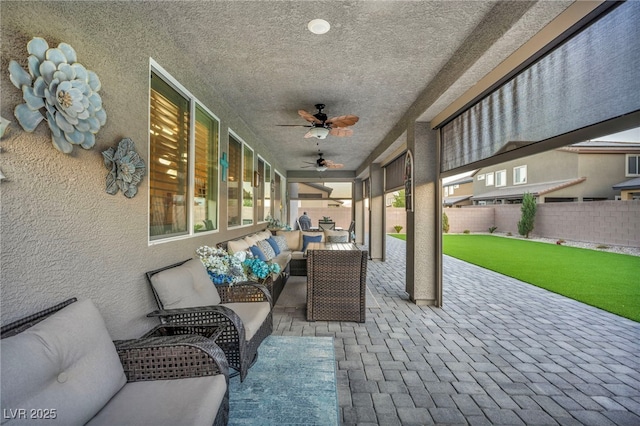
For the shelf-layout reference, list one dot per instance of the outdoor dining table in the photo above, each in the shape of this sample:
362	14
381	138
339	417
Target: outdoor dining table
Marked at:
336	282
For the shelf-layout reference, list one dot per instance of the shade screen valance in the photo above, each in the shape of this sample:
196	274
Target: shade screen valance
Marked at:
590	78
394	174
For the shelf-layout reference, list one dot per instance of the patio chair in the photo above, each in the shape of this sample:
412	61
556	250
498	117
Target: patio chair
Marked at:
352	231
186	296
326	225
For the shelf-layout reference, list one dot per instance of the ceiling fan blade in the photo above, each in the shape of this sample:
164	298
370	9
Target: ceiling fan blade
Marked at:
341	132
308	135
343	121
331	165
308	116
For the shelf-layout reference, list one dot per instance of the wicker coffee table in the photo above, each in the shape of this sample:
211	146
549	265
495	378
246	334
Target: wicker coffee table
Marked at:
336	282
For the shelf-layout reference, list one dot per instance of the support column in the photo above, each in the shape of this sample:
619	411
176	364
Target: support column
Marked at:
424	239
377	224
359	210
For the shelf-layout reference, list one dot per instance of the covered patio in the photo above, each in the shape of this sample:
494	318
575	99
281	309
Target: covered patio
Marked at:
211	93
499	352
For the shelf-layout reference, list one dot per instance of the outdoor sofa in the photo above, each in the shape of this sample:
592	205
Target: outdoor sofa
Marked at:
60	366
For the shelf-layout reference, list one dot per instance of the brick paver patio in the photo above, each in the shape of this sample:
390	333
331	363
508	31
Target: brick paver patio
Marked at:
499	352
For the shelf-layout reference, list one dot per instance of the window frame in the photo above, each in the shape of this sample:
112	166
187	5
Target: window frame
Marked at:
627	172
502	172
247	179
283	196
264	190
489	179
194	103
515	181
241	142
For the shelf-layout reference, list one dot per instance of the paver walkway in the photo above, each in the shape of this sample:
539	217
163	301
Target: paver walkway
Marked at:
499	351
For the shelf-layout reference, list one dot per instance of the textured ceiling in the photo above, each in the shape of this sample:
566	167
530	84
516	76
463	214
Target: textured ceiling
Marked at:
387	62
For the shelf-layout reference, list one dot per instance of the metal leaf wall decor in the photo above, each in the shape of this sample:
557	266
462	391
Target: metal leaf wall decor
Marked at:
126	168
61	91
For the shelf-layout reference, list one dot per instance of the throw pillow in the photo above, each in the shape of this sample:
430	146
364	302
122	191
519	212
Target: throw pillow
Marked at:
282	243
266	248
274	245
338	239
256	252
306	239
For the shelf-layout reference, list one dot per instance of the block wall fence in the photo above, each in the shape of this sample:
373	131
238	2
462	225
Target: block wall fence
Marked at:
599	222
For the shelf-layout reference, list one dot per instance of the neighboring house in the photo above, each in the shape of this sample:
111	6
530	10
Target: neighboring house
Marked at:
629	189
313	194
457	193
586	171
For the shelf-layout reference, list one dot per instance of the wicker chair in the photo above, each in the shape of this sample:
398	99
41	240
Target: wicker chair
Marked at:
56	346
244	310
336	285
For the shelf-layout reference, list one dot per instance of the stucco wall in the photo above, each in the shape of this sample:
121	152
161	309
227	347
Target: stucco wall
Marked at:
598	222
62	235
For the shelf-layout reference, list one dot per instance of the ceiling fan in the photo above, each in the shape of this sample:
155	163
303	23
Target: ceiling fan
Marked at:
321	164
321	126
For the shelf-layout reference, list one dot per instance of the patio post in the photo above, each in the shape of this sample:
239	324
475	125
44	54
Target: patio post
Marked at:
424	257
377	233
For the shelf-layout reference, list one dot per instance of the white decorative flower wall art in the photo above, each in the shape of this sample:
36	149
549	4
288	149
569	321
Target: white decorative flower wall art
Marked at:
61	91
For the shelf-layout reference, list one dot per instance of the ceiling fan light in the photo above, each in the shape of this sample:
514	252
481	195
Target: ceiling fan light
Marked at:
319	132
318	26
321	168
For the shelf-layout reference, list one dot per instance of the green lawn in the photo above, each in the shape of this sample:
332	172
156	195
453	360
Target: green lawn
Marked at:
399	236
608	281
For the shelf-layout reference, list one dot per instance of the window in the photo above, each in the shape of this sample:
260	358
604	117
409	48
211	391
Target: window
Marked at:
501	178
183	170
633	165
264	190
519	175
234	183
266	185
240	194
278	204
446	191
205	197
489	179
247	186
480	177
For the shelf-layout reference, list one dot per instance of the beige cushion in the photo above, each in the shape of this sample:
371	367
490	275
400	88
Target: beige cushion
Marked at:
66	362
185	286
264	235
251	240
332	236
236	246
190	401
297	255
252	315
282	260
294	240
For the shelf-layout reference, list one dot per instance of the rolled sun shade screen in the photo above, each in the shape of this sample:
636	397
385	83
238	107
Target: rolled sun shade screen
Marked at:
589	78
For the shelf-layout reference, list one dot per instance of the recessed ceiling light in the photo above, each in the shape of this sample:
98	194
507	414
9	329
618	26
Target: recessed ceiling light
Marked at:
318	26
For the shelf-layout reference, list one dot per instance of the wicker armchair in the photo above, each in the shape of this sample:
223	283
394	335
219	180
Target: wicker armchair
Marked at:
56	346
243	310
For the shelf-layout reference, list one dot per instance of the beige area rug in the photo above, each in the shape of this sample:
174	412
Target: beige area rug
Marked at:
294	295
